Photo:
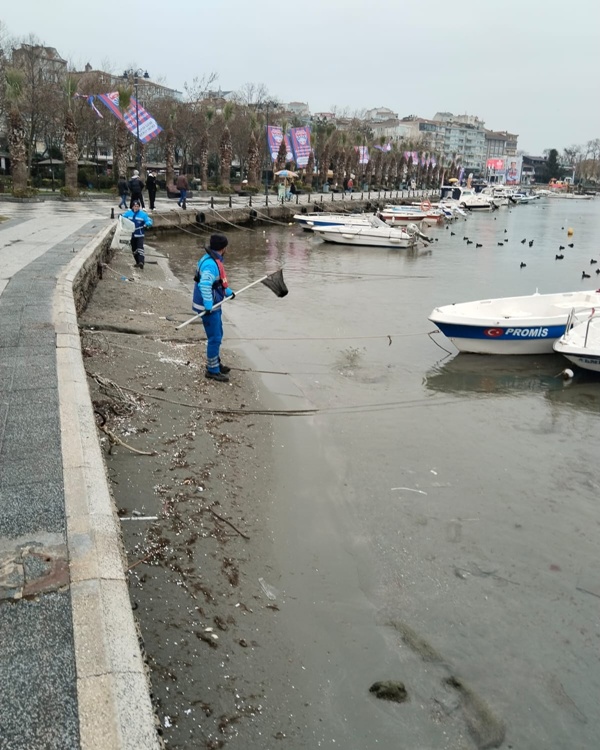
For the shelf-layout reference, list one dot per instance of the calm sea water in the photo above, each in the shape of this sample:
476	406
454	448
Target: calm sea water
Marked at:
435	501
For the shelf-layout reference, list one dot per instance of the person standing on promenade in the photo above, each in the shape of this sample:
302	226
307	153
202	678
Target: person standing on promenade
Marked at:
136	185
151	185
183	187
123	190
211	287
142	221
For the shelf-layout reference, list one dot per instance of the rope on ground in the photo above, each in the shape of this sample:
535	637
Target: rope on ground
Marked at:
295	412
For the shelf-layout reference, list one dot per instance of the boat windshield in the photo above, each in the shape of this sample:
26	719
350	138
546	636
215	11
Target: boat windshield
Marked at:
377	222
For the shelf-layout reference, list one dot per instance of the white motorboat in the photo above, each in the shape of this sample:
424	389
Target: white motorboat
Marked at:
465	197
580	343
524	197
511	325
404	215
322	219
378	234
500	195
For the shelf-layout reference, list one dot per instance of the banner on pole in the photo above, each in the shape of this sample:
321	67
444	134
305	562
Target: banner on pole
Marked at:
363	154
135	117
274	138
300	140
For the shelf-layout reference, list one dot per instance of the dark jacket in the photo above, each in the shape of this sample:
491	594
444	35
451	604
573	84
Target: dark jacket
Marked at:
122	186
182	183
136	186
151	183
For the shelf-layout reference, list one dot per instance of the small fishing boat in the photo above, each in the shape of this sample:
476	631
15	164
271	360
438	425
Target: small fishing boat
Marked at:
322	219
377	234
524	197
511	325
403	215
580	343
466	197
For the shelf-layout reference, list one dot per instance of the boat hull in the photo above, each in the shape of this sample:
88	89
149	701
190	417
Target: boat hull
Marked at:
581	344
487	339
586	362
511	325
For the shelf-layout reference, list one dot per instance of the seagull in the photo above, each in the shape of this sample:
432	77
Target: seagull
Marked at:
522	265
558	257
478	245
585	275
530	243
469	242
598	270
571	244
524	241
452	234
505	231
506	239
592	261
501	244
465	238
561	247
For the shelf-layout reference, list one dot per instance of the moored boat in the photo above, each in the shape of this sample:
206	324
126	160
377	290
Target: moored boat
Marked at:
466	197
580	343
511	325
377	234
322	219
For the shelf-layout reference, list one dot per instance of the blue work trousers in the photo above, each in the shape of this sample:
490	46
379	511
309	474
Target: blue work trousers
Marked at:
213	325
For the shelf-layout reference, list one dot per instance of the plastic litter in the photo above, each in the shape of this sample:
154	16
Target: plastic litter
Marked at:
270	592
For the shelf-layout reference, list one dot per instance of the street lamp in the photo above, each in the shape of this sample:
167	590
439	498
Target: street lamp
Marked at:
127	75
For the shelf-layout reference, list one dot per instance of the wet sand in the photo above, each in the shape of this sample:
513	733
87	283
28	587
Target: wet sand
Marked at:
418	527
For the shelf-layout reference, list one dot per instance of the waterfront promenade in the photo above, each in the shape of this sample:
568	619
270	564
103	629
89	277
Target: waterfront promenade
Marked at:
71	669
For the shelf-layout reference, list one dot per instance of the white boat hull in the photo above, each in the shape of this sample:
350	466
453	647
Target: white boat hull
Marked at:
308	221
511	325
366	236
581	344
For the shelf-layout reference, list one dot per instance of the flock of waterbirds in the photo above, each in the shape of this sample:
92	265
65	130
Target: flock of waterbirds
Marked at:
558	256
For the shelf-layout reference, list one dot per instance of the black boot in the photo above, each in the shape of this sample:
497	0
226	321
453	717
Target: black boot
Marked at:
216	376
224	369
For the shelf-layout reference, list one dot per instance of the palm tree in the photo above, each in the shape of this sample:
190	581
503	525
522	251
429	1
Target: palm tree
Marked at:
205	126
71	150
225	148
16	131
124	96
310	168
281	156
253	160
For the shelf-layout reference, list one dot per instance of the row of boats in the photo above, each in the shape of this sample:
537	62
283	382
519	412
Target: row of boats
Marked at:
400	226
567	323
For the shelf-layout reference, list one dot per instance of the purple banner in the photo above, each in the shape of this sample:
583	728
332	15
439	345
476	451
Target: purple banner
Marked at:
300	140
136	118
363	154
274	137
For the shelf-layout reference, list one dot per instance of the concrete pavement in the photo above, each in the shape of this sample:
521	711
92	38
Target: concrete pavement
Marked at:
71	670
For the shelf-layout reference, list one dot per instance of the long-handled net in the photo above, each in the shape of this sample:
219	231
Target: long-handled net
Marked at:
274	281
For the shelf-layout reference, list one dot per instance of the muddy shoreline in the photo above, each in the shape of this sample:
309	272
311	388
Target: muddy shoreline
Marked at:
192	512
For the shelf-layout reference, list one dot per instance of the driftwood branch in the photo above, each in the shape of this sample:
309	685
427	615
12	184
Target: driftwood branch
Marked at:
235	528
112	437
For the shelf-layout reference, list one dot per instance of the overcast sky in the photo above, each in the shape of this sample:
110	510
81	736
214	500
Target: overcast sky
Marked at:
527	66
